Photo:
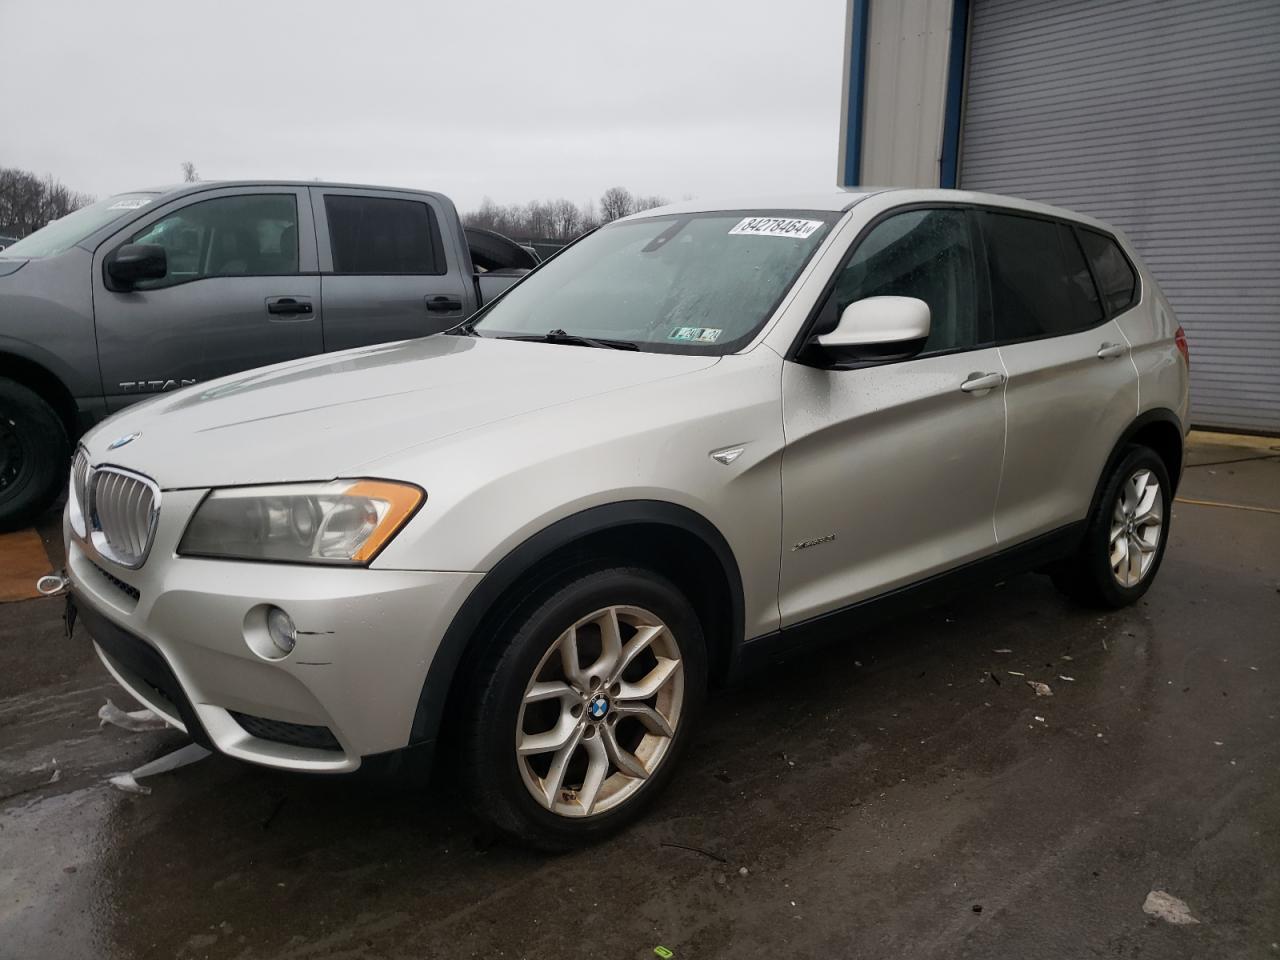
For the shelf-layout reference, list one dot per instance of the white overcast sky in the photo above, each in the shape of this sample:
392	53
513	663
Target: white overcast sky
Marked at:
516	100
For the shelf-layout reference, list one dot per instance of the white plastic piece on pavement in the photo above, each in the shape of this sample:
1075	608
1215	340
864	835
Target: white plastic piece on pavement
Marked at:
1041	689
1002	650
128	782
1167	907
136	720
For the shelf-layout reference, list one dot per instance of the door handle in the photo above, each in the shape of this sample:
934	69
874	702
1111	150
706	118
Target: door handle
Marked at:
1109	351
982	382
288	306
444	304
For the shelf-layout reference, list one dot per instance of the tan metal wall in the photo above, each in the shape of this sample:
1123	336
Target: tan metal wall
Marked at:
905	96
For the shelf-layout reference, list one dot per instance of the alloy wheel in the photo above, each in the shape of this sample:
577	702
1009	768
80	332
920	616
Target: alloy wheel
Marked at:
600	712
1137	523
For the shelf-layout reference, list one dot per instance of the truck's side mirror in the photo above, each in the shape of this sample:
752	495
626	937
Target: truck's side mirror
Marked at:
137	261
877	329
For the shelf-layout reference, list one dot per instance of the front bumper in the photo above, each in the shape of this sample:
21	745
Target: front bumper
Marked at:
173	634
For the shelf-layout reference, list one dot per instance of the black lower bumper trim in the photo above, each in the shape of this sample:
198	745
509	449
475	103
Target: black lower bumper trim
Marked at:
145	664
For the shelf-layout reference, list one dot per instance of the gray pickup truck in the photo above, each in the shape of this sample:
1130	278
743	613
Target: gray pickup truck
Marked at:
146	292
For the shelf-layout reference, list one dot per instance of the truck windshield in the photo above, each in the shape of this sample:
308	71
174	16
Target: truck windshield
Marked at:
63	234
683	283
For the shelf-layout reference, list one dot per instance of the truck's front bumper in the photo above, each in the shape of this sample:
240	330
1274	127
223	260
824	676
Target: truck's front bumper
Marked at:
174	634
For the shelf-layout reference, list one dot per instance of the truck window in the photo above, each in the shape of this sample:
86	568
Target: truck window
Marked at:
379	235
249	236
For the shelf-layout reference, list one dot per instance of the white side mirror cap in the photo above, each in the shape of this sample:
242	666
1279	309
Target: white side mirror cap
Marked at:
878	322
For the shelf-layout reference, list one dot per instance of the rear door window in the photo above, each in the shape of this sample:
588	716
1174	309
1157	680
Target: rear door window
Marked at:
383	236
1115	274
1040	282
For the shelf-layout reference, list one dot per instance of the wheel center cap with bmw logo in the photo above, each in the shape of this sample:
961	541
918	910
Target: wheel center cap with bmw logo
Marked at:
597	708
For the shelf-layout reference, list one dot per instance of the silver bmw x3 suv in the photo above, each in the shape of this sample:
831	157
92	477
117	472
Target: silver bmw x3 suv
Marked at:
694	441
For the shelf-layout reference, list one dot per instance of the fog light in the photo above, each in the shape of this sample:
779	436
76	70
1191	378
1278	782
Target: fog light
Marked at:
281	629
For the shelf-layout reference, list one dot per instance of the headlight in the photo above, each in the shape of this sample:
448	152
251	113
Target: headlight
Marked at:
347	521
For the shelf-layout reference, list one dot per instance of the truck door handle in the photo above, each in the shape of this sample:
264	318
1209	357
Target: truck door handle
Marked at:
1109	351
982	382
444	304
288	306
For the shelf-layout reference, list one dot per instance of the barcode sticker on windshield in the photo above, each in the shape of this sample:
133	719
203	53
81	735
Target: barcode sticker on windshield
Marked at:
775	227
133	203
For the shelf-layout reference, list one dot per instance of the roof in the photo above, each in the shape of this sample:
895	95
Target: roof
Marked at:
835	201
838	201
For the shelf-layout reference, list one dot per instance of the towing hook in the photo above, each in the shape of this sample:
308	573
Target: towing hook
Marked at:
52	584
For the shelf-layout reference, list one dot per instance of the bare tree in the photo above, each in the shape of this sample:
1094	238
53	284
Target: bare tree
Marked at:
189	174
27	203
559	219
648	203
616	202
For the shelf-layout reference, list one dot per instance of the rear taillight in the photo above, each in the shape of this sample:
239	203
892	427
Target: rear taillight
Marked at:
1180	340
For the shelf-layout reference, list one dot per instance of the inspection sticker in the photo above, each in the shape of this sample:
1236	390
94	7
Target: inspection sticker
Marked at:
696	334
775	227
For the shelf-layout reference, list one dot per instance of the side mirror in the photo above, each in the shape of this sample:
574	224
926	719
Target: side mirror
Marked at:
877	329
137	261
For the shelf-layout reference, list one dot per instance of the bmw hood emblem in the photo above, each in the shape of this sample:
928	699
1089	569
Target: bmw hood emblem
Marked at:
119	442
597	708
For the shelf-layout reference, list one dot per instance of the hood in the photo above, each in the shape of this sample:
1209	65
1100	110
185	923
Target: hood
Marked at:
325	416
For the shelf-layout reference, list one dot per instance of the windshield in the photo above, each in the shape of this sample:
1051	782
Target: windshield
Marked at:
683	283
65	233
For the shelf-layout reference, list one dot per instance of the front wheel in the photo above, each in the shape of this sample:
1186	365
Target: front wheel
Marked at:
34	451
582	710
1126	536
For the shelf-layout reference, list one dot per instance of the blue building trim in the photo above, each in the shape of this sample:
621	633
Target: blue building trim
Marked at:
950	166
852	172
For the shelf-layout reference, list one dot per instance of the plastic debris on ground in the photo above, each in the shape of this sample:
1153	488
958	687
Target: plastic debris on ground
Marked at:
1041	689
1063	676
128	782
1002	650
663	952
1167	907
135	721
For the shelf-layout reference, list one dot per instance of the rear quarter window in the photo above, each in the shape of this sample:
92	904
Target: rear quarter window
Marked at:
1115	274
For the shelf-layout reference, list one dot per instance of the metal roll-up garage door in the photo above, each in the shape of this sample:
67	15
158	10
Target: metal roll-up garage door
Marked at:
1162	117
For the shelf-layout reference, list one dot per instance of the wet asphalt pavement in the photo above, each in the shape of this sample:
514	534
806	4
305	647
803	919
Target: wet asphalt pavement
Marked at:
903	794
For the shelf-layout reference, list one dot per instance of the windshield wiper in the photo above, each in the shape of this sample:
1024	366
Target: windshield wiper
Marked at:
573	340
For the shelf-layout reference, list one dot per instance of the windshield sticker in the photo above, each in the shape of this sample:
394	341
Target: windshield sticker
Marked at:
775	227
130	203
696	334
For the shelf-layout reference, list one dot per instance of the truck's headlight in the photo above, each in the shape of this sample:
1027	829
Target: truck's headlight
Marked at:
344	522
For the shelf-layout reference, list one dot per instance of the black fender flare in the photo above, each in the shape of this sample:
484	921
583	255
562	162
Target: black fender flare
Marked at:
504	574
1156	415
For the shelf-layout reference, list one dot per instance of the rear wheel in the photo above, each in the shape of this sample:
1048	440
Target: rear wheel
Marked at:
1126	536
580	715
34	451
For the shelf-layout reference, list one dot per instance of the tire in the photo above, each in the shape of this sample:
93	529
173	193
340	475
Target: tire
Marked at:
34	452
521	794
1089	575
492	251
